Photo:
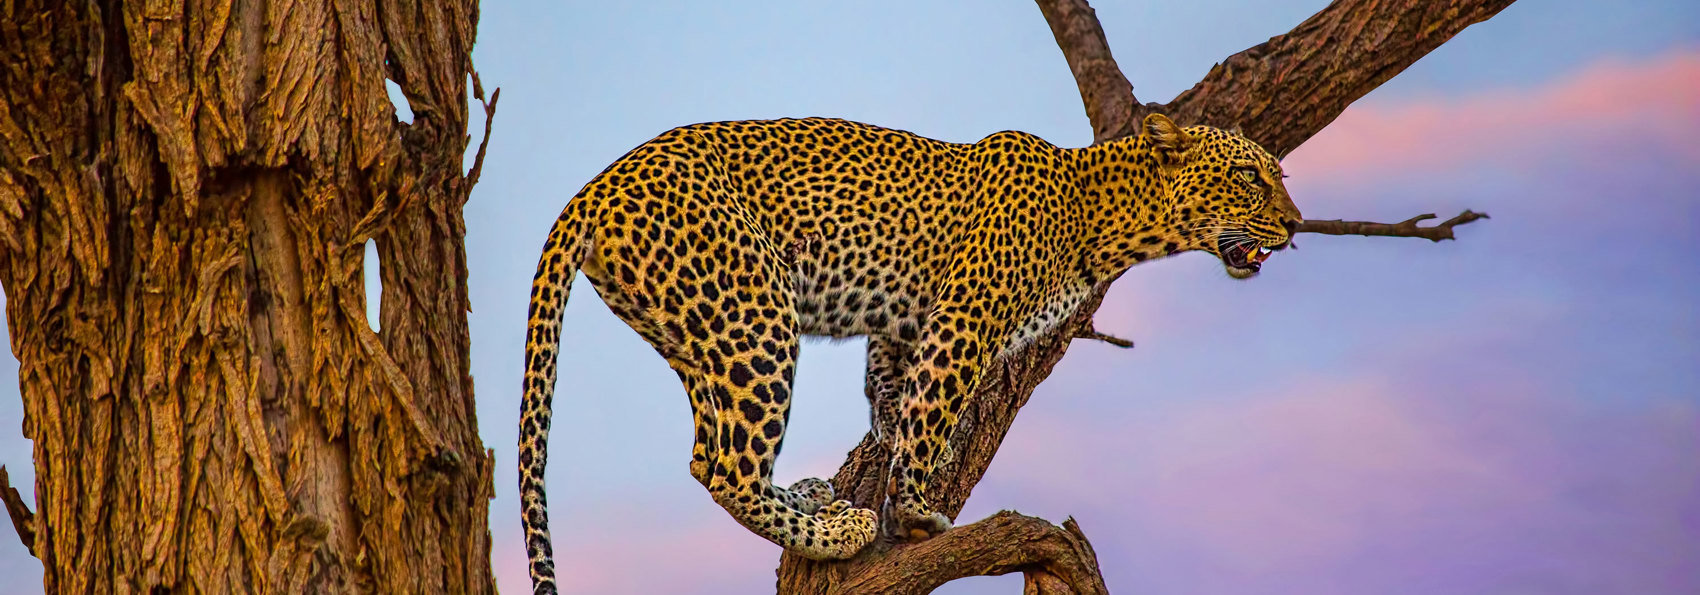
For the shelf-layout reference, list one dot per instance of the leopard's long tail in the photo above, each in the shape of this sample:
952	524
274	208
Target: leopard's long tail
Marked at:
563	254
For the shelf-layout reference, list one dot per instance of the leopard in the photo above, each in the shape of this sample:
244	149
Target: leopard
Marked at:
722	244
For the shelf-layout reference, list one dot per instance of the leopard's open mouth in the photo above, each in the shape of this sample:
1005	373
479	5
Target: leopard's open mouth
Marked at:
1242	258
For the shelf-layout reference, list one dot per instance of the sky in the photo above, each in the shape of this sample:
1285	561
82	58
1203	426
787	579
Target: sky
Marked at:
1517	411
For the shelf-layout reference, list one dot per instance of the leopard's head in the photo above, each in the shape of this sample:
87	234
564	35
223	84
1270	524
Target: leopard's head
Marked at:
1228	197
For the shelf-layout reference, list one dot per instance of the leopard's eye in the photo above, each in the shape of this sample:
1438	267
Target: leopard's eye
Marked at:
1247	174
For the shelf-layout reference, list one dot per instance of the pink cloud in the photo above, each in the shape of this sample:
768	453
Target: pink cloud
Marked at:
717	555
638	549
1270	479
1653	102
672	539
1310	482
1298	477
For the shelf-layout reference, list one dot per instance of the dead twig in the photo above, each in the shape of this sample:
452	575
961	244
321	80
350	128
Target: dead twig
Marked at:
1088	332
1403	229
489	117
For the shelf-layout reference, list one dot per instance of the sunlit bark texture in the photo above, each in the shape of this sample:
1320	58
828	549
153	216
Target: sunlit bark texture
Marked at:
186	191
1279	93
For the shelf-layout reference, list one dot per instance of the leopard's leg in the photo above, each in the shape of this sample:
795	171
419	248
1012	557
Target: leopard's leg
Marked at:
703	415
651	324
754	396
887	358
807	495
721	299
724	393
936	385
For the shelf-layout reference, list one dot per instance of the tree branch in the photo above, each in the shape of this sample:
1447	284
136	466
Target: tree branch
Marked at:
22	519
1000	544
1089	332
477	170
1279	92
1285	90
1403	229
1103	88
1039	582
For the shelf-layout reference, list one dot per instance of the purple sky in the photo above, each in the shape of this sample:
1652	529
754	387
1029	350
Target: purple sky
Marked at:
1514	412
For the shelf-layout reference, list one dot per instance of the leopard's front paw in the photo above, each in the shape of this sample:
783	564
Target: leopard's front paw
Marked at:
925	527
810	495
846	530
916	524
836	508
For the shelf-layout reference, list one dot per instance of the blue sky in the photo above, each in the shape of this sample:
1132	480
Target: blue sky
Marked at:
1515	411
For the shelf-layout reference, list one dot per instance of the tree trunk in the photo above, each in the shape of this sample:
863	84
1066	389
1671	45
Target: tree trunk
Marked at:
1279	93
186	191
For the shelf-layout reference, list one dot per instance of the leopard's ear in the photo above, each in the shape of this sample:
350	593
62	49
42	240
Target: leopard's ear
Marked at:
1166	136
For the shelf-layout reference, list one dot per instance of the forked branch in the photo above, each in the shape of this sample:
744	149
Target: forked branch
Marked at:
1105	90
489	118
1283	91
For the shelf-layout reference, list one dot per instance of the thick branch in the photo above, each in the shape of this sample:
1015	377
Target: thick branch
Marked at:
1403	229
1003	543
1279	92
1103	88
1039	582
1283	91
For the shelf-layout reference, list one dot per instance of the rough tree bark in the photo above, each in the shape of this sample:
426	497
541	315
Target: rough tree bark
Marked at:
1279	94
186	190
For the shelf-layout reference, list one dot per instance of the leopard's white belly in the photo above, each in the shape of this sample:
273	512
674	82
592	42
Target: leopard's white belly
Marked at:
1059	306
